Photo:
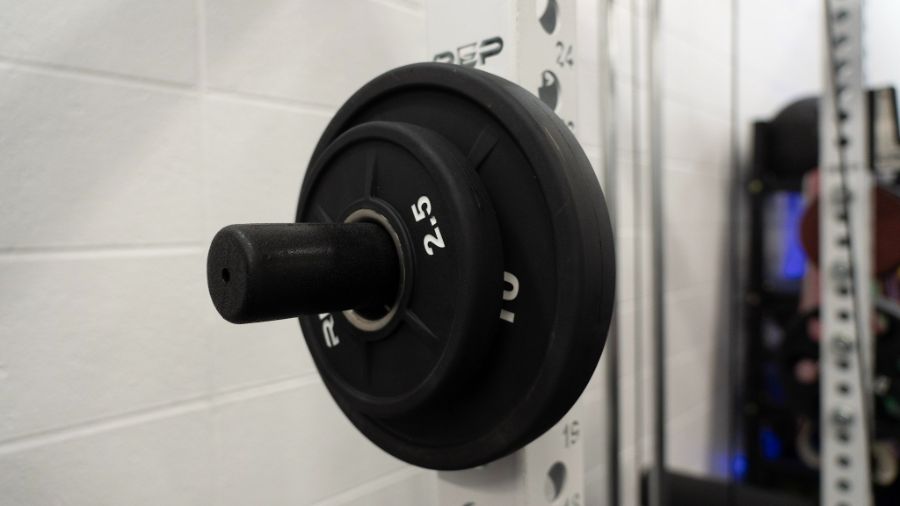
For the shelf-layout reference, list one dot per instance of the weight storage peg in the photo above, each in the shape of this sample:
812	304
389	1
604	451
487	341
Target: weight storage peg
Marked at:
274	271
451	264
401	276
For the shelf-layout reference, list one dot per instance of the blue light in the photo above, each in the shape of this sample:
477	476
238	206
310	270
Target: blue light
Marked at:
771	444
739	466
793	265
772	382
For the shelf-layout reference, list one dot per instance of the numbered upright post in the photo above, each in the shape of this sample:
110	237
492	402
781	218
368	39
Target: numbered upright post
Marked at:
845	224
549	471
531	43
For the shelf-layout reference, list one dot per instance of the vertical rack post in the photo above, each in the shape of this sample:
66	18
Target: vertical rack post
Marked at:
531	43
608	143
658	494
845	223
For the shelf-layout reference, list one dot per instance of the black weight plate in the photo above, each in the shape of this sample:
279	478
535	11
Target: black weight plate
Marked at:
557	252
435	335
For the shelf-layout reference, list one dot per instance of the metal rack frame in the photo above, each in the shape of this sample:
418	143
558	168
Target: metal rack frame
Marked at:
845	221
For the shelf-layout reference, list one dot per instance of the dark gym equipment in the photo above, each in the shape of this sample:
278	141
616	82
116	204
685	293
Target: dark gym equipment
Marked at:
793	138
780	400
886	233
803	394
790	141
687	490
452	265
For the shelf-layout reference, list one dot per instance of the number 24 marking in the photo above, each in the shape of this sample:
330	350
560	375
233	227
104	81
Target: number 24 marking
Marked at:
564	57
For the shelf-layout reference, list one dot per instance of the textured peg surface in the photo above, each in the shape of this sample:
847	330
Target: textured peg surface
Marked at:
261	272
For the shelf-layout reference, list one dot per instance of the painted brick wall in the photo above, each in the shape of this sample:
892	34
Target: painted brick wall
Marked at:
129	132
697	55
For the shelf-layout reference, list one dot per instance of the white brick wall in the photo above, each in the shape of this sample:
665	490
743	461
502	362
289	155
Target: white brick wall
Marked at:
132	130
129	132
697	53
150	40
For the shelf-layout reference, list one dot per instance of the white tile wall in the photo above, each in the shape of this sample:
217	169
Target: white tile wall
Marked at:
880	39
696	137
152	40
98	334
255	172
692	319
780	63
697	50
149	463
96	162
293	446
308	50
706	23
410	487
697	74
696	107
129	132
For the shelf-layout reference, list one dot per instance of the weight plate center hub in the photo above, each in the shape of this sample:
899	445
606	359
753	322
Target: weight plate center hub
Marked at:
452	265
